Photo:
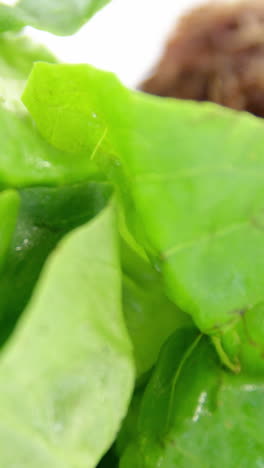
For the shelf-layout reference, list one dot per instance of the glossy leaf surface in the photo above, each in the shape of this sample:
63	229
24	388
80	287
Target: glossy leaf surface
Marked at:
193	413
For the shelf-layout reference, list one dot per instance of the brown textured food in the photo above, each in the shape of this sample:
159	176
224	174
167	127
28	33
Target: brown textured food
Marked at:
215	54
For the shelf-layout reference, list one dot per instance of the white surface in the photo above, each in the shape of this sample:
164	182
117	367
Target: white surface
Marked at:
126	37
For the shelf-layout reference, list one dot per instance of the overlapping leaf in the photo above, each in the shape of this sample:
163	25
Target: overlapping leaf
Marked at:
195	414
45	216
66	374
191	178
9	204
17	55
150	316
26	159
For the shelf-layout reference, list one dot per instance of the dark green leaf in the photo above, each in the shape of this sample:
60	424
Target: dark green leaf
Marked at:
9	203
129	427
110	460
45	216
195	414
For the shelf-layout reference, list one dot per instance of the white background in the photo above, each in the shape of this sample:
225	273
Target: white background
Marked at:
126	37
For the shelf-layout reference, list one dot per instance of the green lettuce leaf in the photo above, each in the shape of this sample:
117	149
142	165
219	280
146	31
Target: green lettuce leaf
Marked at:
17	55
62	17
67	372
191	178
150	316
129	429
62	100
9	205
110	460
26	159
193	413
45	216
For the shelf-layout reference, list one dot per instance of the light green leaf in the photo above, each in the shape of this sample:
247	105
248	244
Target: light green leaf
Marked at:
195	414
62	100
66	374
62	17
26	159
9	204
9	19
17	55
71	126
191	178
150	316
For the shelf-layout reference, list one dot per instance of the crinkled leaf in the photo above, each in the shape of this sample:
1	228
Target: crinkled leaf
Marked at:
9	203
195	414
191	177
150	316
62	17
66	374
45	215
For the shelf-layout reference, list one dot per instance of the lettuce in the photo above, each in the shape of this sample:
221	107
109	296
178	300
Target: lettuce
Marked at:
70	357
63	17
194	413
147	327
131	267
9	204
190	180
45	215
